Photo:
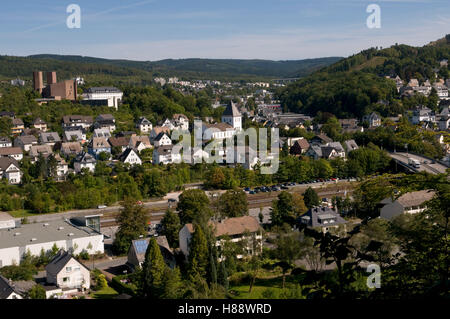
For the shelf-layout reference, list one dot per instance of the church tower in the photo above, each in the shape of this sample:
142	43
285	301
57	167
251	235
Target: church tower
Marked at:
232	117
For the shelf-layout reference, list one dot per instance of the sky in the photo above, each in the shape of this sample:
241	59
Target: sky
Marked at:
149	30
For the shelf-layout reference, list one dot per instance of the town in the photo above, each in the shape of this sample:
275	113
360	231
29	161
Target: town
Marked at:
97	202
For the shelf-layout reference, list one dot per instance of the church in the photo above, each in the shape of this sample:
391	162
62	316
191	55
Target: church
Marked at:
232	117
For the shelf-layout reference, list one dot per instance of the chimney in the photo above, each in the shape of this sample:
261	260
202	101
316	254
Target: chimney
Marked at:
38	82
51	78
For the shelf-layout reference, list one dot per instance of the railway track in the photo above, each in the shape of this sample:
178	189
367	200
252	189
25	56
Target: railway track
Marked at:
254	201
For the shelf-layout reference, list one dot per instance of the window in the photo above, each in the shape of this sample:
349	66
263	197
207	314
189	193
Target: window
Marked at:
68	269
66	279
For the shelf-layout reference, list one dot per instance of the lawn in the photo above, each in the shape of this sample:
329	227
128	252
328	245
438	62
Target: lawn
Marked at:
261	285
106	293
21	213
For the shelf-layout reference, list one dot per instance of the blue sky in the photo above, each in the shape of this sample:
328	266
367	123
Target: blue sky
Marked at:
262	29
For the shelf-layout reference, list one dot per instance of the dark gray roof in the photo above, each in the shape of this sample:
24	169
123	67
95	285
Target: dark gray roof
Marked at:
6	288
140	248
104	89
315	217
59	262
231	110
85	158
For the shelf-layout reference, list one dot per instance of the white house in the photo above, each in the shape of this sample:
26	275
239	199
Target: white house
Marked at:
66	272
162	140
130	157
7	289
144	125
5	142
164	155
84	160
181	122
113	96
236	229
9	169
25	142
11	152
410	203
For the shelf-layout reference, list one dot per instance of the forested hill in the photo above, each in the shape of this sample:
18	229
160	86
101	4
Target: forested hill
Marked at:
220	69
353	86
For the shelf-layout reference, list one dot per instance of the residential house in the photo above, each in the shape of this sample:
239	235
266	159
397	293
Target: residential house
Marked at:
40	150
62	168
8	290
138	248
84	160
119	142
444	123
17	126
181	122
71	148
130	157
9	169
77	120
323	218
67	273
350	145
164	155
423	114
25	142
162	140
140	143
314	151
12	152
157	130
409	203
236	229
168	123
5	142
49	138
373	119
102	132
99	145
144	125
300	147
74	136
338	148
350	126
105	121
35	237
40	125
320	139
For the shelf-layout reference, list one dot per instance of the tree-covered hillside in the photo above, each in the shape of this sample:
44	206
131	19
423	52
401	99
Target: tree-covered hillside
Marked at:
355	85
97	69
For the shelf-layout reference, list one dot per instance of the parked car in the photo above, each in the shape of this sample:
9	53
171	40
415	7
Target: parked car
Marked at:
101	206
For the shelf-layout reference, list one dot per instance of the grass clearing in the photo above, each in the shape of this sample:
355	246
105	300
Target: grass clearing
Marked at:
105	293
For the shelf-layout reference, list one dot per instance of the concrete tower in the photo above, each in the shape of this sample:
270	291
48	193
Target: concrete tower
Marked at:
38	82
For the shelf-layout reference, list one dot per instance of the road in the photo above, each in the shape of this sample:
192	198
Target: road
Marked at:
425	163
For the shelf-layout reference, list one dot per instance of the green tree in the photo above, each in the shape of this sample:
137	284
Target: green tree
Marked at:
37	292
154	269
193	205
171	227
132	224
311	198
198	254
233	203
